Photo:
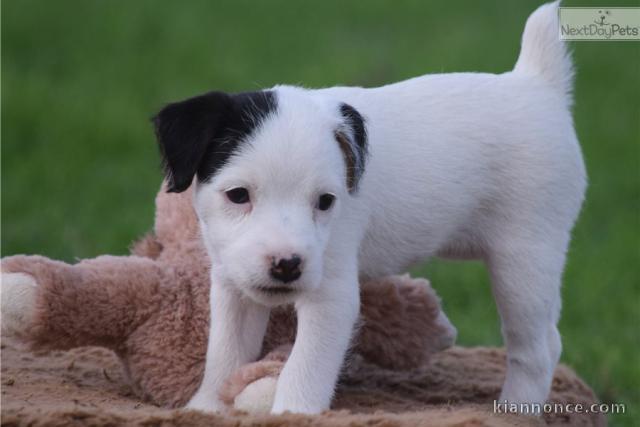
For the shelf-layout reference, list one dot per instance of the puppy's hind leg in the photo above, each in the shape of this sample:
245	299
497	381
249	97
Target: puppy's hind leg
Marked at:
526	280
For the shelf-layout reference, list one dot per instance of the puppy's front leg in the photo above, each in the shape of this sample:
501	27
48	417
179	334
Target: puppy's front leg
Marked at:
325	325
236	331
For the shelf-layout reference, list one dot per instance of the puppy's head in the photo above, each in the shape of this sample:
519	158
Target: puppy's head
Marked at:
272	170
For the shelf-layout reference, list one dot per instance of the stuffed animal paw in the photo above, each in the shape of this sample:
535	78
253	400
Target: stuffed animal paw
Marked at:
17	293
252	388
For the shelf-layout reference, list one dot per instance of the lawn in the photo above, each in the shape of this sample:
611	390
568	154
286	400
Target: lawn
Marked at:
80	167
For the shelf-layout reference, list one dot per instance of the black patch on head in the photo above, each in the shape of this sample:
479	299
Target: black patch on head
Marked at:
197	136
352	139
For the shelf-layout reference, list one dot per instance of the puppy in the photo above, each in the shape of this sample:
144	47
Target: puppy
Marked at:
300	193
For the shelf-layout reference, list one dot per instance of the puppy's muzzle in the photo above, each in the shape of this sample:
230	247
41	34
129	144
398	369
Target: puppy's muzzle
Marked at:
286	270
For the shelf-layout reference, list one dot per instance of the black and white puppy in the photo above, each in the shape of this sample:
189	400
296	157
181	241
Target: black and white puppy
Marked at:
300	193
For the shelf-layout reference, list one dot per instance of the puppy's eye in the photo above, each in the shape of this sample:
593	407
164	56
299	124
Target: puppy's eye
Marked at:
325	201
238	195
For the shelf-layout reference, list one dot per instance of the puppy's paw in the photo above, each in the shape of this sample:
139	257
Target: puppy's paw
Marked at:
201	402
18	297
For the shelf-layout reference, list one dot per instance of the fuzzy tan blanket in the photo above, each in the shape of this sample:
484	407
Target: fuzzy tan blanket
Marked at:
86	386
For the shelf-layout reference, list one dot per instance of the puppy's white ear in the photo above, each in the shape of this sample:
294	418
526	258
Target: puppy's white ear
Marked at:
352	139
185	131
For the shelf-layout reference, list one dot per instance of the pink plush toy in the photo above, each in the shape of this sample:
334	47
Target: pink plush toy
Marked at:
152	310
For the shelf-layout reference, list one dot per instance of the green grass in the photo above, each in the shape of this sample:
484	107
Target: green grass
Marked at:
80	80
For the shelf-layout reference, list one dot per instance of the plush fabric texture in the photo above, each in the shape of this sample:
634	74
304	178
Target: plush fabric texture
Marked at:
152	309
87	386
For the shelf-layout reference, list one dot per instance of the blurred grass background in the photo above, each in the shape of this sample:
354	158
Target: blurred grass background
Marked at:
80	168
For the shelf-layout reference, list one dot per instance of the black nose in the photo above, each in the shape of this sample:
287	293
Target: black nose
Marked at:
286	270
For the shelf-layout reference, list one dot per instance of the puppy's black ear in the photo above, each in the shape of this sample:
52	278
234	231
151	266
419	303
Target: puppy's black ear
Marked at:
185	130
352	139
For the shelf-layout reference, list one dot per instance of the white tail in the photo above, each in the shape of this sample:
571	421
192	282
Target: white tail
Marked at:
543	53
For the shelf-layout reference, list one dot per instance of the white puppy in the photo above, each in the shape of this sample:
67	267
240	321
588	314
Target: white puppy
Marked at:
300	193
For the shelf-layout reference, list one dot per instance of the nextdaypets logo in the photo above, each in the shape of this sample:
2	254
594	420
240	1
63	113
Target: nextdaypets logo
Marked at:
592	23
603	17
